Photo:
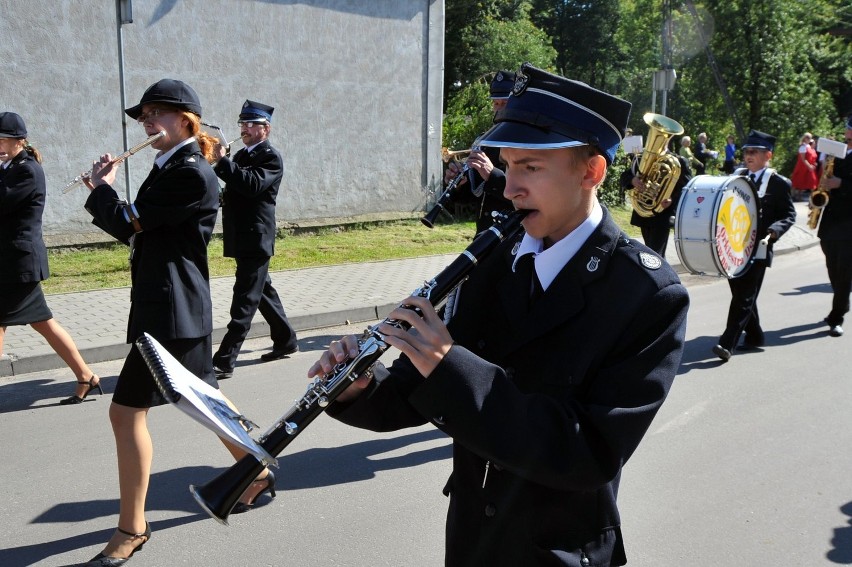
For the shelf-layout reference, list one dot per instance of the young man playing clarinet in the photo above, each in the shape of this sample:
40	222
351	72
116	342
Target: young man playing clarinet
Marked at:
562	346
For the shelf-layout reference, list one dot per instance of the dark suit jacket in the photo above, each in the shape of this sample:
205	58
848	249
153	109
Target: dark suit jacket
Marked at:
248	203
556	400
23	255
777	211
177	208
836	222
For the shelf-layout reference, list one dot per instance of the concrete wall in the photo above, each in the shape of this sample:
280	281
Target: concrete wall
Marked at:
356	87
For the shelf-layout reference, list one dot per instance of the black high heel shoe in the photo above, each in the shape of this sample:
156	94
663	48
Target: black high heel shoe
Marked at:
75	399
101	560
241	507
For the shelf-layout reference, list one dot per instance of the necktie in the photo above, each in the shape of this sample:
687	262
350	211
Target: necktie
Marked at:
526	271
753	178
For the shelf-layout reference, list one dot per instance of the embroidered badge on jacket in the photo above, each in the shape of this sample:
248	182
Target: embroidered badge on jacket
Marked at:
650	261
594	261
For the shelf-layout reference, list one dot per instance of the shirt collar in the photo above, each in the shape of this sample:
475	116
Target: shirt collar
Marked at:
250	148
163	158
548	263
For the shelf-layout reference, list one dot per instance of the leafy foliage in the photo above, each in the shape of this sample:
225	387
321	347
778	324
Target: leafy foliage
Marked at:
785	64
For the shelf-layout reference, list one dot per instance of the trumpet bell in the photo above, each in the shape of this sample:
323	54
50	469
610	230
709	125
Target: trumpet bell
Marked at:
447	155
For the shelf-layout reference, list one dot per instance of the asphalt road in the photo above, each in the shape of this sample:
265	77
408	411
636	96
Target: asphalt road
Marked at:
746	464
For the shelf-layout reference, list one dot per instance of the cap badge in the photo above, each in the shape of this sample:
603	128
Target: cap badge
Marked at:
593	264
499	76
650	261
521	82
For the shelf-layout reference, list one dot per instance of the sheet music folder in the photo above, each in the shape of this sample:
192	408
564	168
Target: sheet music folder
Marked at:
198	399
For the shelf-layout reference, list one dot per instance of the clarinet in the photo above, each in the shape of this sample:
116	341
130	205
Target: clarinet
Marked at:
219	496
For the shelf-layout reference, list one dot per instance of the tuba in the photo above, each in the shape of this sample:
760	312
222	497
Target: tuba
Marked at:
658	168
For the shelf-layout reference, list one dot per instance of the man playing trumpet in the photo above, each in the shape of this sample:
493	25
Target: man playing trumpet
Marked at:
485	179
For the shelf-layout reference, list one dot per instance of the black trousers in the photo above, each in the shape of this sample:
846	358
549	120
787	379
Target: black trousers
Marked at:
253	291
742	313
656	236
838	261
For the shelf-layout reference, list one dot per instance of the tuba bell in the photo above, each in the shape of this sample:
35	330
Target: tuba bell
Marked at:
658	168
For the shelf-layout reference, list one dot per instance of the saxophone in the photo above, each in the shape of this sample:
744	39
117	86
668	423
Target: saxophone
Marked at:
658	168
819	197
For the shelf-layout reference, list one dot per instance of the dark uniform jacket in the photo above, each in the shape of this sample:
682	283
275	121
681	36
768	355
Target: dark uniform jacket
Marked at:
248	203
776	212
551	403
23	255
836	222
177	208
486	195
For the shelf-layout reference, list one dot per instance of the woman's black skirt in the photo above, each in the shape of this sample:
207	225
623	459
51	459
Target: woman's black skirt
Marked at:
22	304
136	387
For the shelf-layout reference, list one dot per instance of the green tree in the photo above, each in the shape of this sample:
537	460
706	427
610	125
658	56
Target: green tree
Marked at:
499	36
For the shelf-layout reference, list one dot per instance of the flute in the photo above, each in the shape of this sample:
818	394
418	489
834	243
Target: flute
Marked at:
84	177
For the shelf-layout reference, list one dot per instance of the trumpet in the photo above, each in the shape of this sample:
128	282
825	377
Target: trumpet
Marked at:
84	177
448	155
449	192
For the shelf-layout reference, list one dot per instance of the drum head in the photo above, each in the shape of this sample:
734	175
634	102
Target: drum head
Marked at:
716	225
736	226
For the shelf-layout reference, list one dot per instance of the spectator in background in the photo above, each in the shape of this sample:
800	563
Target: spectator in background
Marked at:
686	152
702	153
730	156
804	178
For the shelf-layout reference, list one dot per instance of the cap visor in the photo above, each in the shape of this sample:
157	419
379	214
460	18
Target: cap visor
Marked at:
134	112
516	135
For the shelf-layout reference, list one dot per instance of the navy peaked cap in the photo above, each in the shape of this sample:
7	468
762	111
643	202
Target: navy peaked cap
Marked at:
547	111
12	125
501	84
256	112
171	92
761	140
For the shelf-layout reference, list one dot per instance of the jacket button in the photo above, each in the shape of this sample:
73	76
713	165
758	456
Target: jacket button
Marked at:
480	344
510	372
490	511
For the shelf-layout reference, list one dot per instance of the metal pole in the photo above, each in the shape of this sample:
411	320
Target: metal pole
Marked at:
124	15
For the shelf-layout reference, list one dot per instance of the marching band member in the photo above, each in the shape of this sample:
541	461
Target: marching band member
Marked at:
252	180
23	255
655	229
168	228
485	178
562	348
835	236
776	215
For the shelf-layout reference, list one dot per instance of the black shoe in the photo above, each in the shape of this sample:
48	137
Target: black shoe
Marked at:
722	353
101	560
75	399
279	353
222	373
836	331
242	507
754	341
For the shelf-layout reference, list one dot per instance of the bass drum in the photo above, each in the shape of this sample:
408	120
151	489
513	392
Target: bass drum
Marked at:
716	225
